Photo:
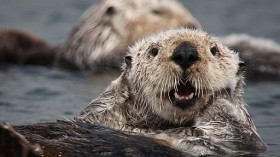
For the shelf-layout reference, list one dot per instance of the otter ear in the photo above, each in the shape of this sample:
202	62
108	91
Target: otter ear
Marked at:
110	10
242	67
128	60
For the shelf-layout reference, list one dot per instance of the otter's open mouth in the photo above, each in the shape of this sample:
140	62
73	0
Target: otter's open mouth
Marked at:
184	96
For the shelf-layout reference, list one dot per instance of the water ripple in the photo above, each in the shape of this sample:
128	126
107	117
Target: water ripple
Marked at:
6	104
42	91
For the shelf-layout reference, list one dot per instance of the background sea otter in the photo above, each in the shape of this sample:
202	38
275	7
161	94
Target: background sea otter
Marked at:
105	30
103	33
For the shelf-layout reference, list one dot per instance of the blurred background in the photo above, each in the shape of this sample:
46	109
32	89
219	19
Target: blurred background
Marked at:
37	94
53	19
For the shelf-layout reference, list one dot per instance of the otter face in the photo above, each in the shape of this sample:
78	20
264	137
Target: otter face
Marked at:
178	71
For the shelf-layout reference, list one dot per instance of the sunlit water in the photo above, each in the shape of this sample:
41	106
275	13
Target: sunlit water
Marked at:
35	94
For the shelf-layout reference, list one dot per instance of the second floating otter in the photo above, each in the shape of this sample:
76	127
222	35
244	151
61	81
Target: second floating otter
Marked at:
101	37
104	31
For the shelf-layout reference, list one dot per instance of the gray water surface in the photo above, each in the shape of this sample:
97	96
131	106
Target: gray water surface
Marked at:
36	94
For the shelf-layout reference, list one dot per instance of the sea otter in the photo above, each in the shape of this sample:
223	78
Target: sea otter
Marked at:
100	38
104	31
184	88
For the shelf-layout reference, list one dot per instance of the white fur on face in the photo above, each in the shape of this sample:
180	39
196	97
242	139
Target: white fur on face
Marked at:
153	77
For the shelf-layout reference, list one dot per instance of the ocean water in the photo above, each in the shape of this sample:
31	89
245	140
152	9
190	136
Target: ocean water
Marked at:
37	94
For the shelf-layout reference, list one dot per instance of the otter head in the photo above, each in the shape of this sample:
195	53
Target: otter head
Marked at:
105	30
133	19
175	73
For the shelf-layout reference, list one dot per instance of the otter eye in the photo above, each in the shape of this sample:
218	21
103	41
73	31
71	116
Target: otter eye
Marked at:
214	50
110	10
157	12
153	51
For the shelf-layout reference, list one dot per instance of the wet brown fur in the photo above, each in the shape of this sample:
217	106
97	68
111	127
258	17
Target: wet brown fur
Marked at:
68	139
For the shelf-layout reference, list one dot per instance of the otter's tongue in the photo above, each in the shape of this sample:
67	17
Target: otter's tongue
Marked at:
185	92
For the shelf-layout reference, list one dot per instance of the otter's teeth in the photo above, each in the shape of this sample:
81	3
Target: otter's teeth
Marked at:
190	96
177	96
184	97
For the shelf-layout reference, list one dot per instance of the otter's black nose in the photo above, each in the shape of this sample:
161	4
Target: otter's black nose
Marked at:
185	55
